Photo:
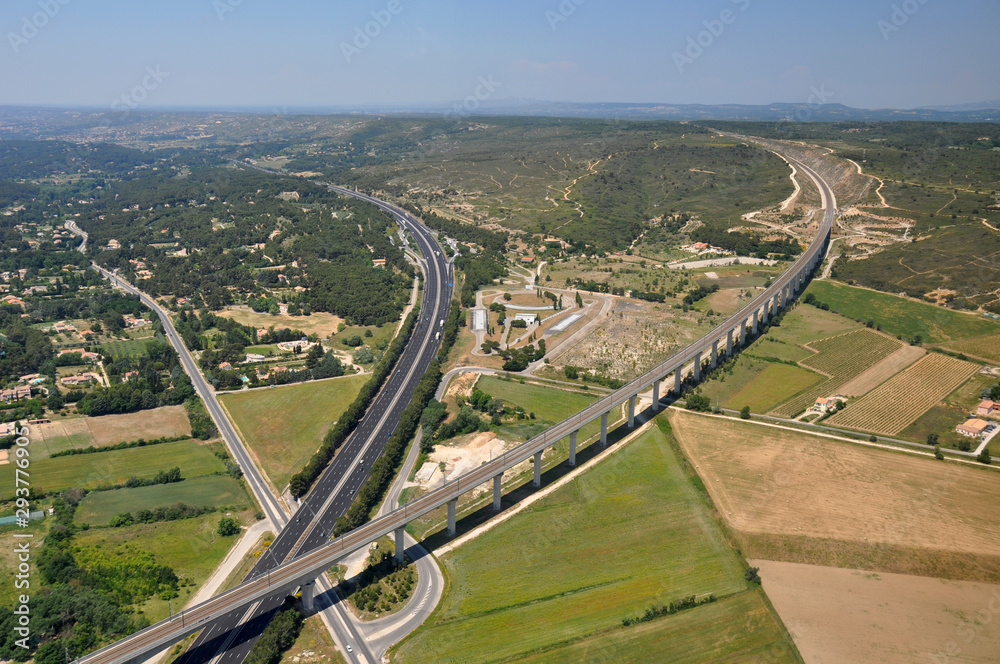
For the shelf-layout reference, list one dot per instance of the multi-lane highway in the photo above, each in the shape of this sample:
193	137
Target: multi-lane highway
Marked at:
230	638
305	566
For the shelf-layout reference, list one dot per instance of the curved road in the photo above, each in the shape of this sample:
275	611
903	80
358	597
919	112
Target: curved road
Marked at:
230	639
305	566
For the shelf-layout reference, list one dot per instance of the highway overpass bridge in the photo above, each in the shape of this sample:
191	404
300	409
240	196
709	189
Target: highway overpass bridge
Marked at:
300	573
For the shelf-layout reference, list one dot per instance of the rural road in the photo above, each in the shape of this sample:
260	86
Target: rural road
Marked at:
334	492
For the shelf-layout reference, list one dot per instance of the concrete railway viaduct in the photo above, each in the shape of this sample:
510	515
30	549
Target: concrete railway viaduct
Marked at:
722	341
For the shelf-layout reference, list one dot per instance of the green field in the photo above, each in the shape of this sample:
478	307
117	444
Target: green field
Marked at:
772	347
283	426
211	491
89	470
804	325
549	404
740	628
900	316
776	383
192	547
130	348
630	533
987	348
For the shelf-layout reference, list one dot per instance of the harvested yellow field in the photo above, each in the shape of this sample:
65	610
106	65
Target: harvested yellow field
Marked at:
897	403
891	618
798	497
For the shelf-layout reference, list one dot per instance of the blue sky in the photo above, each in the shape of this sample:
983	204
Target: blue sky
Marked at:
863	53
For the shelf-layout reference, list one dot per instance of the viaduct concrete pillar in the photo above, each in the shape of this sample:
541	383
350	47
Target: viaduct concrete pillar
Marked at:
452	504
697	367
729	343
538	469
656	395
604	430
400	544
753	320
496	492
715	353
308	591
572	447
765	313
631	411
775	304
677	382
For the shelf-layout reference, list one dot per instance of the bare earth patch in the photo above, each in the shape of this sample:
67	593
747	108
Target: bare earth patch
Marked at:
321	323
634	338
167	421
883	371
845	615
58	435
798	497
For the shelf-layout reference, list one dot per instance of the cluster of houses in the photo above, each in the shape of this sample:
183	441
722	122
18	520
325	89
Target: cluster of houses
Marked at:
80	379
977	427
13	300
140	269
262	373
85	355
21	274
15	394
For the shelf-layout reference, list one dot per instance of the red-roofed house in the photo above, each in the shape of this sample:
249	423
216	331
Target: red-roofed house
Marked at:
988	409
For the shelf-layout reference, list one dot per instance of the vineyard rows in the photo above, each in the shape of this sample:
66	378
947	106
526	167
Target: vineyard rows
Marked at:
898	402
844	358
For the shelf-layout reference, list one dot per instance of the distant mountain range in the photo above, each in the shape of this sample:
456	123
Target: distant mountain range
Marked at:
983	112
978	112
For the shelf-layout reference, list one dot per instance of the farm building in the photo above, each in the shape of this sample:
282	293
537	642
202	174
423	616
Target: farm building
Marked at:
973	428
827	404
988	408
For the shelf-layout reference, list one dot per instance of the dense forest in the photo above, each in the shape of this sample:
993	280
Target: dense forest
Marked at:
224	235
85	596
746	244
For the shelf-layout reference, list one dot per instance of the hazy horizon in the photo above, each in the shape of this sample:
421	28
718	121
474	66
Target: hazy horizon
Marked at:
208	54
